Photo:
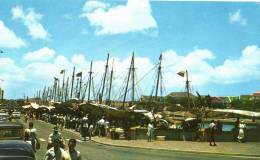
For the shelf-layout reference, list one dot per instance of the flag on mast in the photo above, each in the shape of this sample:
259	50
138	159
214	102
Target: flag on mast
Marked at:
62	71
181	73
79	74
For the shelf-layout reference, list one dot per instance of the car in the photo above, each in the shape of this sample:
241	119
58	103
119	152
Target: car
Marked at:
11	131
4	116
12	144
16	150
16	115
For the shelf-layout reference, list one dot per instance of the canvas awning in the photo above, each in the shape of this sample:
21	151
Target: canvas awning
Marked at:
240	112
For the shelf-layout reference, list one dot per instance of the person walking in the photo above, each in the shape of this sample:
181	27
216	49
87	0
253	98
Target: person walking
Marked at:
55	135
56	153
72	152
241	133
84	127
90	131
101	127
212	130
31	137
150	132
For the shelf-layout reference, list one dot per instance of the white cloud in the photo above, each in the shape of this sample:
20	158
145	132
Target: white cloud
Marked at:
135	16
243	69
31	20
43	54
8	38
237	17
79	59
10	73
91	5
196	62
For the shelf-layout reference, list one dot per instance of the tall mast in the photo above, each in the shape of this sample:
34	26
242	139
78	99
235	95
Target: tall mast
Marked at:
44	93
110	83
63	86
66	90
188	89
104	80
84	91
80	85
77	86
72	82
128	77
158	77
54	90
58	90
90	77
133	78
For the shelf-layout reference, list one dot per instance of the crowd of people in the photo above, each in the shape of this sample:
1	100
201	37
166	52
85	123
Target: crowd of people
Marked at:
89	126
56	144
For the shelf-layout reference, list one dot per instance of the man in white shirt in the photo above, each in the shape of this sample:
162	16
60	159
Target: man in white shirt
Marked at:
31	136
56	153
101	125
150	131
212	130
84	127
55	135
241	134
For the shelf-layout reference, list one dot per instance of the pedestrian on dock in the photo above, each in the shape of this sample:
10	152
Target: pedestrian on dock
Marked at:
31	137
90	131
150	129
72	152
55	135
84	127
241	133
212	133
56	153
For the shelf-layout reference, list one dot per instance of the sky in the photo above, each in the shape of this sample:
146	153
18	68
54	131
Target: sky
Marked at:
217	42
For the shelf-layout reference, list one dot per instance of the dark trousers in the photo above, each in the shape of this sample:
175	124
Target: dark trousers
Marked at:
212	138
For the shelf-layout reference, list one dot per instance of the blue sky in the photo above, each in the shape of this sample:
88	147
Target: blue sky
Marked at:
217	42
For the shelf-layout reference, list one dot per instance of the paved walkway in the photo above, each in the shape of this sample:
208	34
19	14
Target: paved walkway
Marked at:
231	148
227	148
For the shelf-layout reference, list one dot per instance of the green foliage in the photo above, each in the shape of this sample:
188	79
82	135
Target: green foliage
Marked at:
250	105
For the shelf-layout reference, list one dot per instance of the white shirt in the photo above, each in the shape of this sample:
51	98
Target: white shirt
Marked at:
59	154
53	136
101	122
31	133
